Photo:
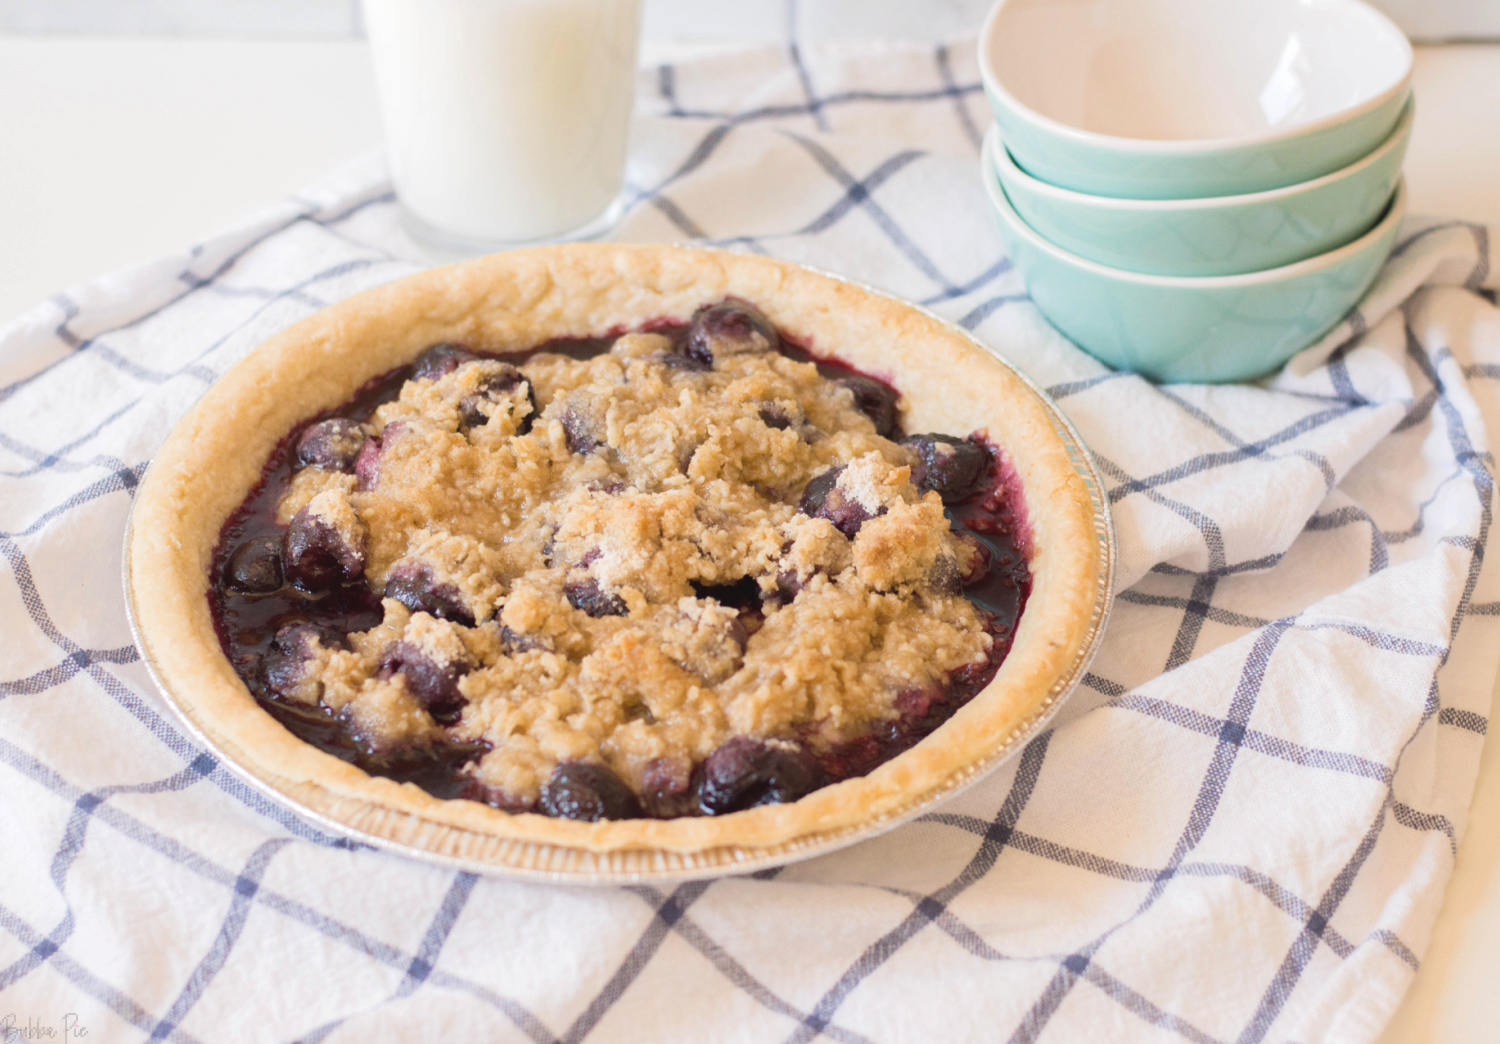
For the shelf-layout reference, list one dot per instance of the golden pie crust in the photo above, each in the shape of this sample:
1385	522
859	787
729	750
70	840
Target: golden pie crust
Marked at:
509	302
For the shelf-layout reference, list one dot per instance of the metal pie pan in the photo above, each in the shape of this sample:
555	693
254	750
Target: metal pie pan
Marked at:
537	861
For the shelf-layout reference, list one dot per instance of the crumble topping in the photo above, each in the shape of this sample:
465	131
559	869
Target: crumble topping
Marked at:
307	484
641	561
334	509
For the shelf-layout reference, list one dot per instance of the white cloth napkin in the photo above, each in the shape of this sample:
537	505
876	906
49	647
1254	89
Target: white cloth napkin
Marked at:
1238	830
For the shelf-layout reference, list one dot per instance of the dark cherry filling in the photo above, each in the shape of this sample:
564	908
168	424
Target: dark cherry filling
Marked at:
578	790
433	683
586	594
744	772
271	602
414	587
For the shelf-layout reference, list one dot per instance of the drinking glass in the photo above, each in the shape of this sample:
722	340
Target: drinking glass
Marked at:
506	121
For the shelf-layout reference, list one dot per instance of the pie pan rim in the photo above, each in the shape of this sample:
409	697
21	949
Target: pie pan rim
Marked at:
475	837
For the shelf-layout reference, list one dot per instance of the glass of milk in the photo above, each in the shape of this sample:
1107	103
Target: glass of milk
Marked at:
506	120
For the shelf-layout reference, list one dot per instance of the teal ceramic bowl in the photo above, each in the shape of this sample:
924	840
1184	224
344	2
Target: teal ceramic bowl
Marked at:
1177	328
1183	99
1227	235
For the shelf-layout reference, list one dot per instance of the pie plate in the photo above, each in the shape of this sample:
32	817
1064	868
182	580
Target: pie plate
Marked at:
508	302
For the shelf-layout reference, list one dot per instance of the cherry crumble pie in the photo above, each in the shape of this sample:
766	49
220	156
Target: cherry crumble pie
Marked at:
685	570
602	559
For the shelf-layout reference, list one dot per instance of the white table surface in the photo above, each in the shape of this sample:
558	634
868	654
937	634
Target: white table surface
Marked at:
115	151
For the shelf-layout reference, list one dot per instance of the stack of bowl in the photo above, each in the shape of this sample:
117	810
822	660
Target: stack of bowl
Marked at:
1196	190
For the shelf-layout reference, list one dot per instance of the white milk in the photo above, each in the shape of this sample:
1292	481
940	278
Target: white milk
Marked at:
506	120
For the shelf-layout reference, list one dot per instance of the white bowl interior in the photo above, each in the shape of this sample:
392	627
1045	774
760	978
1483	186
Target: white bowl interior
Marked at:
1175	70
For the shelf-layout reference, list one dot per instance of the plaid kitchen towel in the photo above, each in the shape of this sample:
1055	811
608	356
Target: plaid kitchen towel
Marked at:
1238	830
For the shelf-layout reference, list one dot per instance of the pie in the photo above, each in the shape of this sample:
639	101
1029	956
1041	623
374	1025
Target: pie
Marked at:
614	548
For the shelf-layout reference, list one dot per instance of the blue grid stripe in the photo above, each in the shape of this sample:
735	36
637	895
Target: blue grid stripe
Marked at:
1206	803
994	840
685	927
170	848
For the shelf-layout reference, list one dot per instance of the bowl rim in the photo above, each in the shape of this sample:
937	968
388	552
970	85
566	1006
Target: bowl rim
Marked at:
1191	146
1007	167
1395	211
